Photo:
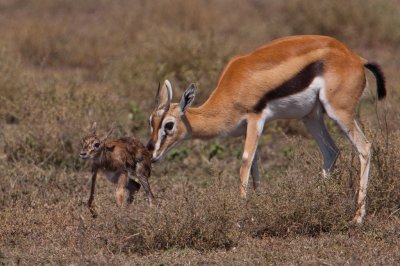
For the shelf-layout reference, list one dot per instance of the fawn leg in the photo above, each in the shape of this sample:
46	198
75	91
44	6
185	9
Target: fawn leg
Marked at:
143	172
91	197
121	187
132	187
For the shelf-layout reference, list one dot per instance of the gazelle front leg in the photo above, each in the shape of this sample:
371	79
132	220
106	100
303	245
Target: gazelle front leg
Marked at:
254	130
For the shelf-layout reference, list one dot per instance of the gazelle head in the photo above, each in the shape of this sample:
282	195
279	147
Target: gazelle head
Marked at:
168	124
91	144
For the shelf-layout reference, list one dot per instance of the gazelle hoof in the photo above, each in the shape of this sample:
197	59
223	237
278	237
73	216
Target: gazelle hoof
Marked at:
358	220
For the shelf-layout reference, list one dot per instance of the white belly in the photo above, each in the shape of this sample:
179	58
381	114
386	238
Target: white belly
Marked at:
294	106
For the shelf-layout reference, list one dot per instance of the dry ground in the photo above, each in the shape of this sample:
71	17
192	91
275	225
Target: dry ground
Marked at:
65	64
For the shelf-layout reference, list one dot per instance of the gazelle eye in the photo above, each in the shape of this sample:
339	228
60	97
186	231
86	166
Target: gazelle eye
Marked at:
96	145
169	126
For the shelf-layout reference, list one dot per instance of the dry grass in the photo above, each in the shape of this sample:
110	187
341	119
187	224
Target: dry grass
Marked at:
66	64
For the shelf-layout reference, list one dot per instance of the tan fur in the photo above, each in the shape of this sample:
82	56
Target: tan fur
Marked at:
246	79
250	76
118	159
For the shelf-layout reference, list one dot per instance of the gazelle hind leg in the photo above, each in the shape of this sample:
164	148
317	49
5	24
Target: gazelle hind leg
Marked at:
340	98
359	141
253	133
364	149
314	122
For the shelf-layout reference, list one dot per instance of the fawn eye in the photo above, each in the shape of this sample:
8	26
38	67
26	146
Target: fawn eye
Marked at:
96	145
169	126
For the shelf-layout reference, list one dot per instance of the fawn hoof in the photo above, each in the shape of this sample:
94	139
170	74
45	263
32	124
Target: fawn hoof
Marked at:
151	203
243	193
93	211
121	197
130	198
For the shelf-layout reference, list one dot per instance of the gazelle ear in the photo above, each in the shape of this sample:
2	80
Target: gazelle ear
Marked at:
92	129
164	96
187	98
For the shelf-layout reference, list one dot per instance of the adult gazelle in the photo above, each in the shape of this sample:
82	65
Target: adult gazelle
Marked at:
300	77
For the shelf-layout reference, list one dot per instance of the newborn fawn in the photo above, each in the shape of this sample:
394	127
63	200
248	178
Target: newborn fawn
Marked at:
120	160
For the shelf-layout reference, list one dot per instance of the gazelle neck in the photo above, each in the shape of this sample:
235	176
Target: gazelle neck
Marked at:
204	122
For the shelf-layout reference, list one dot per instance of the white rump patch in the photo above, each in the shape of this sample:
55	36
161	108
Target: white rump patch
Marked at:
330	111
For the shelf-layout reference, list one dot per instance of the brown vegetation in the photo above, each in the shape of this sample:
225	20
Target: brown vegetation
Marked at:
65	64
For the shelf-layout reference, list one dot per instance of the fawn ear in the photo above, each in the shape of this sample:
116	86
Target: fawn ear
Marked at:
105	137
92	130
164	96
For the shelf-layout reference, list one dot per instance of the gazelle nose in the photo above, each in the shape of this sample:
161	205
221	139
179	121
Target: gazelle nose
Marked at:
83	154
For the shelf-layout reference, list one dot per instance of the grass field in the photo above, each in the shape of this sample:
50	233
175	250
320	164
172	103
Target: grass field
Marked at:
65	64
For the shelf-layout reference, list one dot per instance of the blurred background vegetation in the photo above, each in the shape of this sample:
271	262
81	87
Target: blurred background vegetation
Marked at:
65	64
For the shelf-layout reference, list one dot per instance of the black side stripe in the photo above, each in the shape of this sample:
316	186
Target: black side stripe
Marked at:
292	86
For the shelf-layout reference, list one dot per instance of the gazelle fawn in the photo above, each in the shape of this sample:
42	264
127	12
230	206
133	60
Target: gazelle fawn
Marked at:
120	160
303	77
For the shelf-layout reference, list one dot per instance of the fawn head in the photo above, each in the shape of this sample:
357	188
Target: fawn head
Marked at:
91	144
168	124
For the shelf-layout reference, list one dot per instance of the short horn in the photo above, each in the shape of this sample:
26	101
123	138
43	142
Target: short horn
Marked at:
169	95
156	99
